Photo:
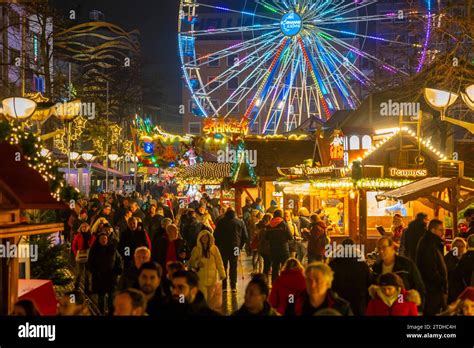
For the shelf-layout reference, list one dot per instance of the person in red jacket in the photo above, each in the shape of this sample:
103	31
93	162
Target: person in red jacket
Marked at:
389	297
289	286
80	248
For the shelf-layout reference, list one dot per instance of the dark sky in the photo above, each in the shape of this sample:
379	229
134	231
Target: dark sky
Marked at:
157	22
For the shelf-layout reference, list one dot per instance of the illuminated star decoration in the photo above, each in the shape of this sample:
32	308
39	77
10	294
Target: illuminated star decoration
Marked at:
60	142
78	126
116	131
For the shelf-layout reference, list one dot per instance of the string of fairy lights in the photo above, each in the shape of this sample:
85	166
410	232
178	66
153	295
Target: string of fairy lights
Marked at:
32	147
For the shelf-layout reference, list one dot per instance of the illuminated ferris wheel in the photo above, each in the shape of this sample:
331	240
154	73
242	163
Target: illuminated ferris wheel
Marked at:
276	63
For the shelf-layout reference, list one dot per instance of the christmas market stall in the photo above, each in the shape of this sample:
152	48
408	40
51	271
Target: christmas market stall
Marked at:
398	158
23	186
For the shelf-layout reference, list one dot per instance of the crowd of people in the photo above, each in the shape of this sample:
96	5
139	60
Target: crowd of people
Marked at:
139	256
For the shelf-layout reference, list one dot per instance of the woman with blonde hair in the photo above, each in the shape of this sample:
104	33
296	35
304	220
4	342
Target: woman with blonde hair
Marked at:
290	284
206	260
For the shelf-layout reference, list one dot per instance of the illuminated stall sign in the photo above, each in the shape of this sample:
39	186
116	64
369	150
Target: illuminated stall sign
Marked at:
406	173
222	126
303	171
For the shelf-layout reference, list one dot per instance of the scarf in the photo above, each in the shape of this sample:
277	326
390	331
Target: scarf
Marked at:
389	301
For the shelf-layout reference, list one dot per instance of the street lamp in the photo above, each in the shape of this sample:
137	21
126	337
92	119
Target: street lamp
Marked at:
19	109
89	158
66	112
440	100
468	97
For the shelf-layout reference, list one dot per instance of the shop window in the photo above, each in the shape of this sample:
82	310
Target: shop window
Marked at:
354	143
366	142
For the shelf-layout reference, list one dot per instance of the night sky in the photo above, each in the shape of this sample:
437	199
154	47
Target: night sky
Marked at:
157	22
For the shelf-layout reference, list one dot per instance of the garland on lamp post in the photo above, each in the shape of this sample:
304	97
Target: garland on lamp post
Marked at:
31	146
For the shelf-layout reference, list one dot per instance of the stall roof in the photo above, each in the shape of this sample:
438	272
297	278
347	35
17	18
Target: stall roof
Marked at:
24	184
206	173
418	189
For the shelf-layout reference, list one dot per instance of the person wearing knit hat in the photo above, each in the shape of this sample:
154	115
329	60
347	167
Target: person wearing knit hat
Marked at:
389	298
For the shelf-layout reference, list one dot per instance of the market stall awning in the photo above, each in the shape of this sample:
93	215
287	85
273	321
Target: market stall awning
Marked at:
25	187
418	189
206	173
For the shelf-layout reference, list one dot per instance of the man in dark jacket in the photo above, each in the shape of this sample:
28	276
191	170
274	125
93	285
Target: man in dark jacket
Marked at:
430	262
152	221
191	228
351	278
402	266
318	296
278	235
231	235
107	214
129	276
188	300
132	238
136	211
149	281
416	229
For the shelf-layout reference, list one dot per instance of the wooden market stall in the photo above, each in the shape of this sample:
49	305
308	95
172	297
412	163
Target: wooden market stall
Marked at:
21	188
452	194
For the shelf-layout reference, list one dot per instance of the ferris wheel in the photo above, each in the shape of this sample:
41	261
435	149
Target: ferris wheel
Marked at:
277	63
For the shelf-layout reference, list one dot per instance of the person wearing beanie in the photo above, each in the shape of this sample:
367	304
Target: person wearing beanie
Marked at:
389	298
273	207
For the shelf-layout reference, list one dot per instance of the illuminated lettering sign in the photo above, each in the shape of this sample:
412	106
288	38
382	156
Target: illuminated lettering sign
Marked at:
221	126
403	173
306	171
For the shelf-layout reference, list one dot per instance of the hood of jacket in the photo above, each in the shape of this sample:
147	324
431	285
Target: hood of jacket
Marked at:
375	291
275	222
211	239
291	278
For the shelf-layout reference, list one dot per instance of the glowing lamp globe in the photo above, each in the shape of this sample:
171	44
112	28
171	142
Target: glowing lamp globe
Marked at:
74	156
87	157
440	100
19	109
468	97
113	157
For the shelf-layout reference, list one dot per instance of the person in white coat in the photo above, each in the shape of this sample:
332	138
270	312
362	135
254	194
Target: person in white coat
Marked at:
207	261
